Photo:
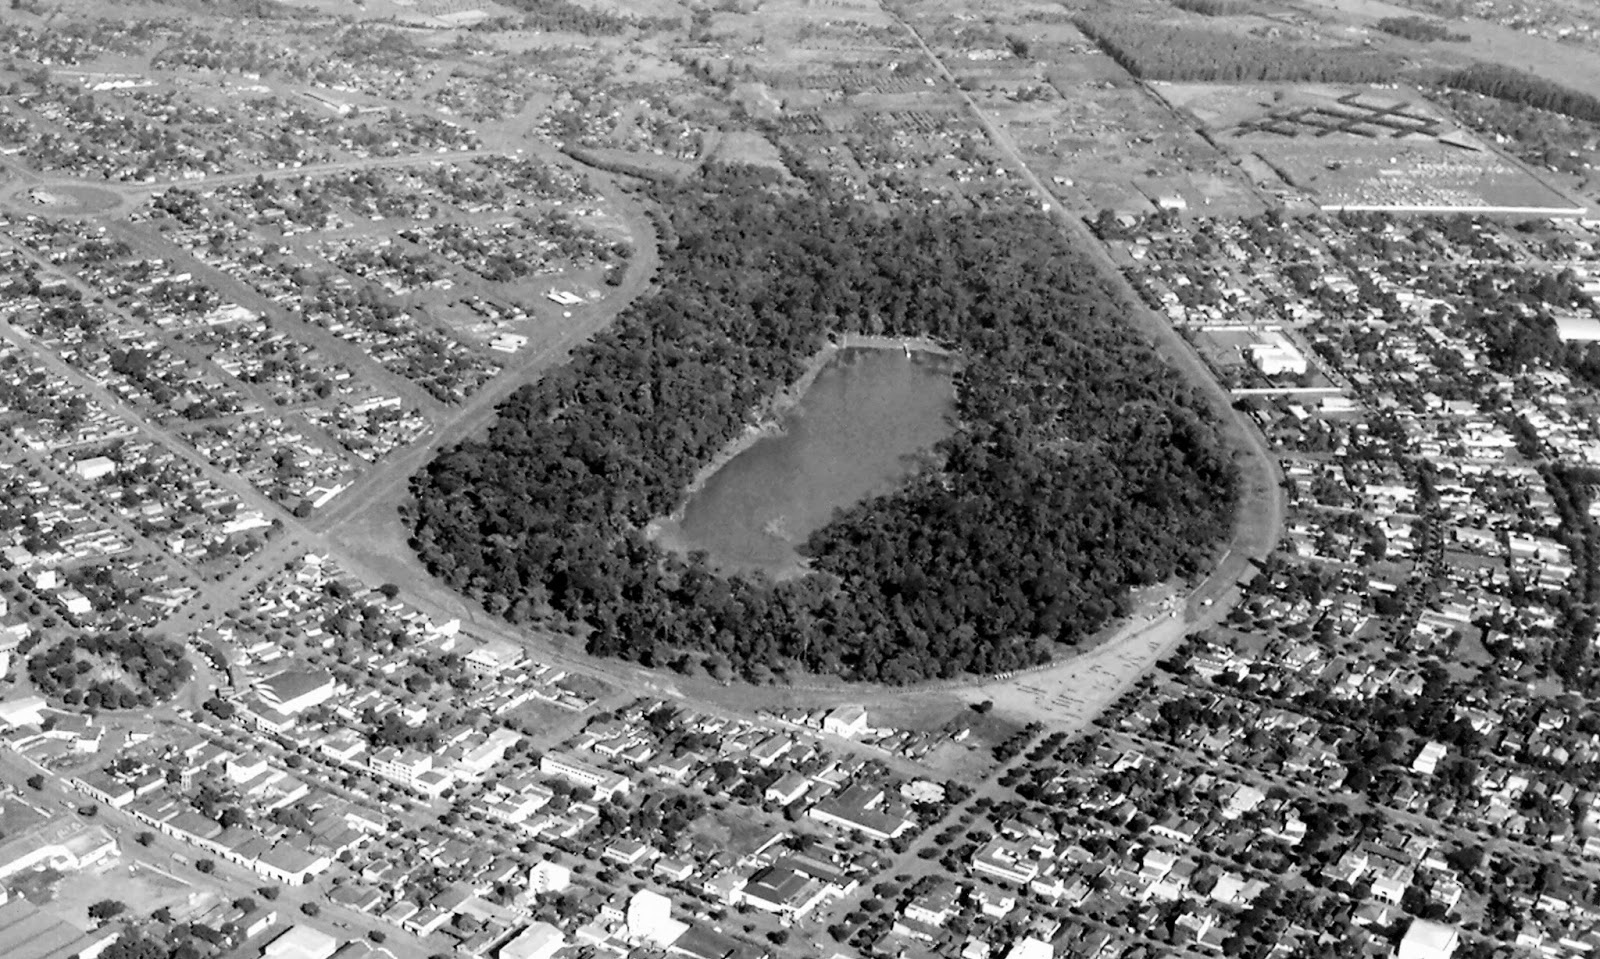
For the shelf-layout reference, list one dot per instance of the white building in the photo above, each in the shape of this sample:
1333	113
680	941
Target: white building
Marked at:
294	691
1030	948
604	784
650	919
1429	940
301	942
539	941
1276	356
1428	759
411	769
94	468
846	721
494	658
548	877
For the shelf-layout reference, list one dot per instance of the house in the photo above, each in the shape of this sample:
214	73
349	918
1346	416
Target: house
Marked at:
74	602
769	750
628	852
1428	758
291	864
995	905
934	907
673	870
790	788
100	785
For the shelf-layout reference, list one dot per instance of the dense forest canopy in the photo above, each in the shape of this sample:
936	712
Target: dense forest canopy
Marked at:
1152	50
1420	29
1519	86
1083	465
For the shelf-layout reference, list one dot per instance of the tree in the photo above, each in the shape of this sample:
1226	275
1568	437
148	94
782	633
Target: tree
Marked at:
206	866
311	909
36	782
106	909
145	838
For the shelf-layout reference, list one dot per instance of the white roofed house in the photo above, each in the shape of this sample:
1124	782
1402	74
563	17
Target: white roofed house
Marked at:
1428	758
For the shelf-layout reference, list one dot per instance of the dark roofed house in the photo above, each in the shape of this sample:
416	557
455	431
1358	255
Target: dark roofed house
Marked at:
291	864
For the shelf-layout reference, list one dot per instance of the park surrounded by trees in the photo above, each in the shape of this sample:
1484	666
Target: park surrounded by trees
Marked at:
1082	467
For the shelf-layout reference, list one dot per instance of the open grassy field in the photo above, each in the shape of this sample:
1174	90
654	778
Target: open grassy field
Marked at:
1360	147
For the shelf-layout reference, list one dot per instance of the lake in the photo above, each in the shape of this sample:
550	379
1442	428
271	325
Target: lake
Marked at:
854	434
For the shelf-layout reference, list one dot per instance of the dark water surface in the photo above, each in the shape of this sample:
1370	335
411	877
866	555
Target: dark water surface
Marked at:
854	434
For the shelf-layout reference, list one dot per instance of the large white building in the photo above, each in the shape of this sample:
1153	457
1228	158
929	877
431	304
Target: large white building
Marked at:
1429	940
650	919
604	784
549	876
411	769
301	942
1275	355
846	721
539	941
294	691
1030	948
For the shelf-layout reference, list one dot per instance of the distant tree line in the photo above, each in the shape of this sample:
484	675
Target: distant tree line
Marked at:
563	16
1214	8
1420	29
1153	50
1083	465
1519	86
